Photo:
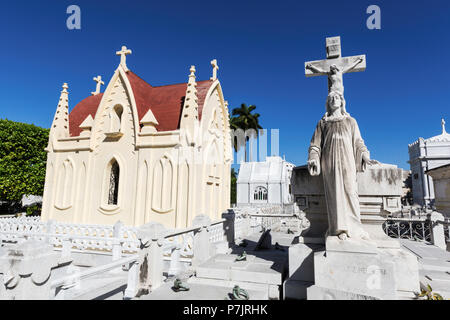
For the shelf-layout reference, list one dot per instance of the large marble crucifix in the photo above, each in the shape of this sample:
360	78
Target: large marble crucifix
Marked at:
335	65
337	150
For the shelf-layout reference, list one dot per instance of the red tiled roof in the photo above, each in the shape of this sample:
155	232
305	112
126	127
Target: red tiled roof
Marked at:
85	107
166	103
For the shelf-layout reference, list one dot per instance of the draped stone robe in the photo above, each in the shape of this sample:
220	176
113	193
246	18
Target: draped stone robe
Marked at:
338	146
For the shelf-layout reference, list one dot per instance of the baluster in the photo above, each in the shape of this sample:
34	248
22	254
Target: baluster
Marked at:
175	267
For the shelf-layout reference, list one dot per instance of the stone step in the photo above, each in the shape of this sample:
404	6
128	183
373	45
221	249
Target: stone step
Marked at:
436	275
103	287
272	291
434	265
425	250
255	269
199	292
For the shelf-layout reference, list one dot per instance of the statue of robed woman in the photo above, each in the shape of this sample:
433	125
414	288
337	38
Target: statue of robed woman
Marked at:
338	152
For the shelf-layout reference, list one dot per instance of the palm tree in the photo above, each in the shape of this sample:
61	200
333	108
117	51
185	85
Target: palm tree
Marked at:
244	119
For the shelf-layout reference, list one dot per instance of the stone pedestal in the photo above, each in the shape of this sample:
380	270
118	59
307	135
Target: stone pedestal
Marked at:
301	270
353	269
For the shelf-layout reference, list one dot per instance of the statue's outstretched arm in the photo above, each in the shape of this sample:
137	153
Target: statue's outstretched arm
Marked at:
314	68
357	61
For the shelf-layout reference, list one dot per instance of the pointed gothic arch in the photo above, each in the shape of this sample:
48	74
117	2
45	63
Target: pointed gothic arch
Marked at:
106	102
112	185
163	184
65	185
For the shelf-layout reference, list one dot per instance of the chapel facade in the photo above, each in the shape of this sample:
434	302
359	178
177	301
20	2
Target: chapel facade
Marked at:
265	183
424	155
140	153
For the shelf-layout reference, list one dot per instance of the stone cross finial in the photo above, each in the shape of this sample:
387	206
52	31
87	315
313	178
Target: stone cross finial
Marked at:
335	65
123	57
192	70
99	81
443	126
215	68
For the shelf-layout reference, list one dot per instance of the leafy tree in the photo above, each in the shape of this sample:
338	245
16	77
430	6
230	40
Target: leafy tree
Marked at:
244	119
22	159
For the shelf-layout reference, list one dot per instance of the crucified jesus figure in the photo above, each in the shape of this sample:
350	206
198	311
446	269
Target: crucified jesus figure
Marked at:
335	82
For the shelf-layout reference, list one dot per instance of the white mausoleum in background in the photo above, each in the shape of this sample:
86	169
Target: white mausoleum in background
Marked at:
267	182
427	154
139	153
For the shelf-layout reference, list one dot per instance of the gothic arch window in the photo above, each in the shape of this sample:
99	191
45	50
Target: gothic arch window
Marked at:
113	191
260	193
116	119
111	186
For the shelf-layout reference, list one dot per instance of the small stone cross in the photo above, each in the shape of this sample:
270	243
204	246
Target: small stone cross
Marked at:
99	81
215	68
443	126
335	65
123	57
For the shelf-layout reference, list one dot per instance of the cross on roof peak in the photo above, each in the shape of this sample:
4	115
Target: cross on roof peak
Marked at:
215	68
123	57
99	81
443	126
192	70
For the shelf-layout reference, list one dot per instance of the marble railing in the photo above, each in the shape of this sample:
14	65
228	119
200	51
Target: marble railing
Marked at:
82	237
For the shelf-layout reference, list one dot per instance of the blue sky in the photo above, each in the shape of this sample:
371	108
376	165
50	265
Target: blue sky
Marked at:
260	47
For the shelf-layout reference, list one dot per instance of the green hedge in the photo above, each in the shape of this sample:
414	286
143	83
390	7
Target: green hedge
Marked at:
22	159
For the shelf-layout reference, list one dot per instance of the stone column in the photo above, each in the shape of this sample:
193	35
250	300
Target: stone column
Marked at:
26	271
150	262
202	245
437	230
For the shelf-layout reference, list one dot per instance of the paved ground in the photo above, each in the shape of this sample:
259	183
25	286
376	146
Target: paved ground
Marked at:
261	275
